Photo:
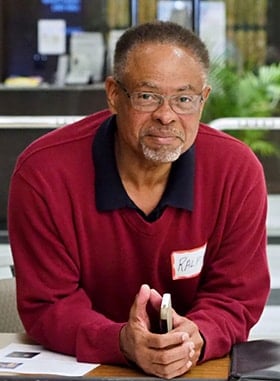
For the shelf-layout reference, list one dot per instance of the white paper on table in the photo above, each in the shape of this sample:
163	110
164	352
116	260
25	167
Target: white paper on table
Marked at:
34	359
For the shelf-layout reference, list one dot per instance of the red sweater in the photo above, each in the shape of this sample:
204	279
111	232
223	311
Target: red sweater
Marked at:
78	269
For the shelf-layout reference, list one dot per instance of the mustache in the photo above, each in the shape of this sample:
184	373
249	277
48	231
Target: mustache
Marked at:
164	132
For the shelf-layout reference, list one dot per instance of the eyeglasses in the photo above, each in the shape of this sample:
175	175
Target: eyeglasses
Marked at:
148	102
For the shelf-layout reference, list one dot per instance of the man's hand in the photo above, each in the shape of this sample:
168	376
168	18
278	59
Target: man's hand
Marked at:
164	355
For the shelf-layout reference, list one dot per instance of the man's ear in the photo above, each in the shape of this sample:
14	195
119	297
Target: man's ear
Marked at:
206	92
111	89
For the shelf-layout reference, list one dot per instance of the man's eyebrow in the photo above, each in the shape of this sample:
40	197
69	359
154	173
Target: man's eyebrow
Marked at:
153	86
147	84
187	87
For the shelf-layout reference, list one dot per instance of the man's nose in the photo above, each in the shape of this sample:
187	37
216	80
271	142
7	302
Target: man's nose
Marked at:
164	112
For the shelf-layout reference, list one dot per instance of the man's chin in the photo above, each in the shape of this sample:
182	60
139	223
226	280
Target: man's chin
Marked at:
160	155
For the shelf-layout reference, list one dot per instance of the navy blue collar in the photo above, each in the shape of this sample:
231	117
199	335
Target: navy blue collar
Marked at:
109	191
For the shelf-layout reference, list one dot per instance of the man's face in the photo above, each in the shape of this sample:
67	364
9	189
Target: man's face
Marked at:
160	135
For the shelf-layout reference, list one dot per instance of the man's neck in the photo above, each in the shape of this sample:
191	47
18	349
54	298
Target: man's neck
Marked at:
144	181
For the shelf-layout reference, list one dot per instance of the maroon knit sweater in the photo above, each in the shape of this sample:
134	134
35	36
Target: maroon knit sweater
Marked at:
78	270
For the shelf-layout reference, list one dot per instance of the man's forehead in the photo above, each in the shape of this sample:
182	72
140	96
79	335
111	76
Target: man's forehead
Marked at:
152	46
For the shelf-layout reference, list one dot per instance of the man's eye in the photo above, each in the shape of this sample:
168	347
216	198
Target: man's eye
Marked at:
146	96
185	99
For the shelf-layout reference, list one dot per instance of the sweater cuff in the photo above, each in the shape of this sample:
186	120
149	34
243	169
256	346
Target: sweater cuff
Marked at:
101	347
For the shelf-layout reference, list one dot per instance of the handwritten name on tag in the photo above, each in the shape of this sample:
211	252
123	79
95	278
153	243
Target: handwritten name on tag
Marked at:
187	263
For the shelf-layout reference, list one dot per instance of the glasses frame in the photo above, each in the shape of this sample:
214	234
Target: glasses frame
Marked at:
198	98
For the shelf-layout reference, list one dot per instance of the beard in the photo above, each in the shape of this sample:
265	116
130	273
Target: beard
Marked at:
163	154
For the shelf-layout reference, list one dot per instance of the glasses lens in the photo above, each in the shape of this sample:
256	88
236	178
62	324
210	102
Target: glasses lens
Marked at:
184	104
149	102
145	101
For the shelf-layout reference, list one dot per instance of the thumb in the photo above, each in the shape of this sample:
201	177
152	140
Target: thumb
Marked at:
138	310
142	297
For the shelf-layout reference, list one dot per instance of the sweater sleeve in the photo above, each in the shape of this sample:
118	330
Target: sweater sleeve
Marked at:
235	281
53	306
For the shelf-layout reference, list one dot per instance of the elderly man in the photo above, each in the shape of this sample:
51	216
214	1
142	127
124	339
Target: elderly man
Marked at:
109	213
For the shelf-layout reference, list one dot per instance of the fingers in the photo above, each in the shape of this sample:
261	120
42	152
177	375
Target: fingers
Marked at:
173	361
183	324
164	355
155	300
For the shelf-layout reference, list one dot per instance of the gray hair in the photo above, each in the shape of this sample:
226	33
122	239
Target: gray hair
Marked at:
163	32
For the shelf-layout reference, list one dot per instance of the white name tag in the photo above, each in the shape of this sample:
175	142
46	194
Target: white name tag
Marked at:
187	263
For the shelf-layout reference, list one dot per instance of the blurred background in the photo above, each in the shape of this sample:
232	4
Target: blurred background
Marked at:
55	55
